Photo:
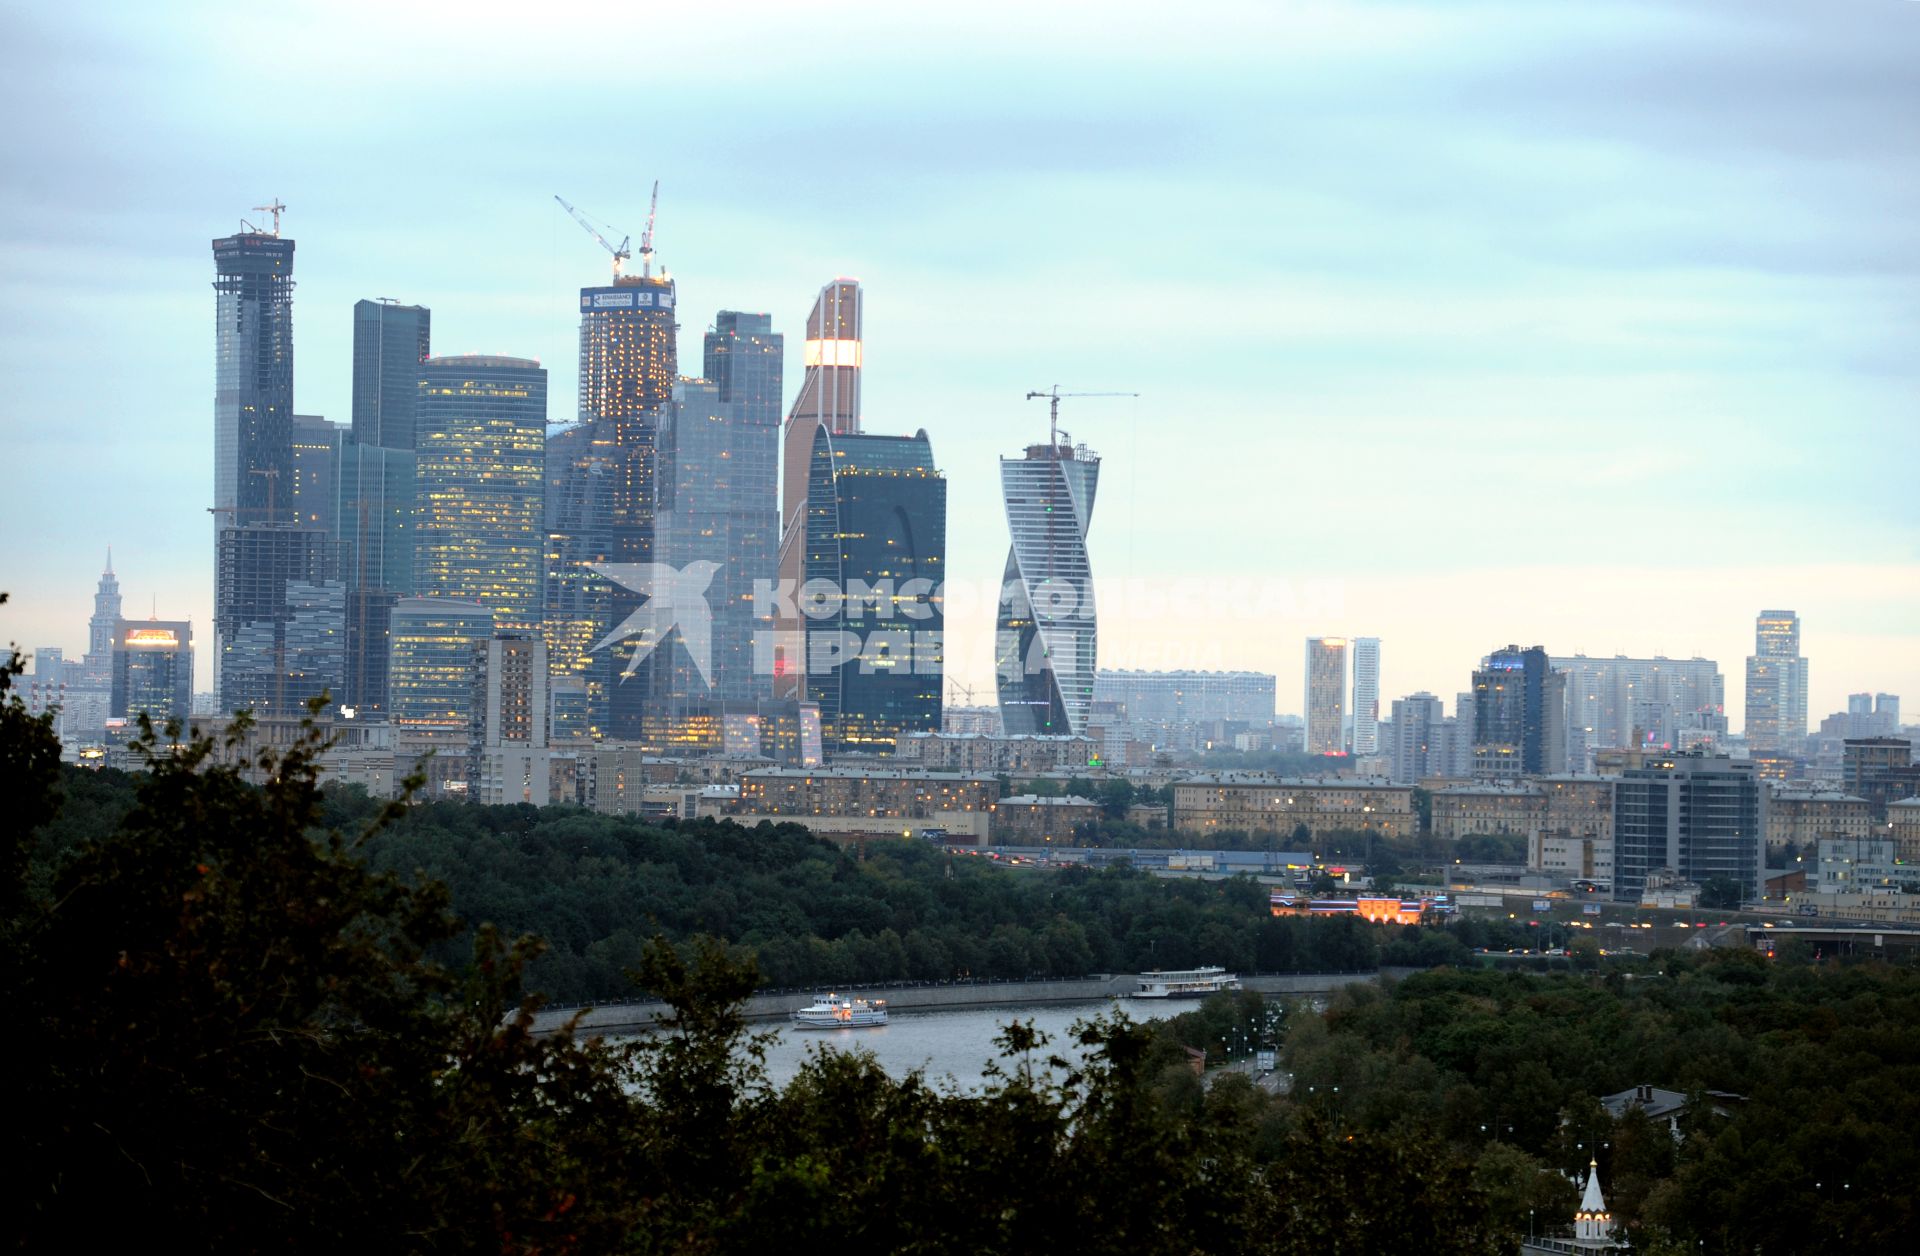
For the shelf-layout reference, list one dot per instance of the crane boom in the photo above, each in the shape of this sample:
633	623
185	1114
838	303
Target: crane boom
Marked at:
1053	396
620	254
646	237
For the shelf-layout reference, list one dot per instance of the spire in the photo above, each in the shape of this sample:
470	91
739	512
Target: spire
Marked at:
1592	1201
109	570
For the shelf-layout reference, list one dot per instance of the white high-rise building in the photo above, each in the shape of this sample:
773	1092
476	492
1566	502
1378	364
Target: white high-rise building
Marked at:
1045	634
1419	748
1366	695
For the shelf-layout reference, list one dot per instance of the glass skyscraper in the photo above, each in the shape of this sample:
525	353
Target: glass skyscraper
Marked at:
435	647
1776	684
1692	817
1046	637
255	568
317	444
605	481
480	484
390	341
1519	715
153	669
253	379
718	503
253	474
829	401
876	534
743	360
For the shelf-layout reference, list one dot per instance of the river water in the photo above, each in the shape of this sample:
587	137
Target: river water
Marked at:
951	1043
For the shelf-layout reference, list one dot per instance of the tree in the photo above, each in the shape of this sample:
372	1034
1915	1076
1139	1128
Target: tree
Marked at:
1720	892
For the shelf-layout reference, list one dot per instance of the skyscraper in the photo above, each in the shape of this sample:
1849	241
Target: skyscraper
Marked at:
390	341
1519	715
433	662
876	534
743	359
718	503
1419	749
1776	683
1690	817
1366	695
480	484
603	472
1046	639
257	569
317	444
98	661
1326	695
829	401
253	377
253	477
153	669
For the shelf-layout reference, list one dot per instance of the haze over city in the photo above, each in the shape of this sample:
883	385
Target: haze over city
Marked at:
1457	325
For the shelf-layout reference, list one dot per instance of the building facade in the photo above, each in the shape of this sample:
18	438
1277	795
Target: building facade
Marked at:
1255	803
877	543
1042	819
1046	635
829	401
390	341
1622	701
481	427
1688	818
260	574
1189	697
744	357
1519	716
1776	684
1801	818
875	793
1366	696
1326	695
433	648
978	752
1417	745
152	669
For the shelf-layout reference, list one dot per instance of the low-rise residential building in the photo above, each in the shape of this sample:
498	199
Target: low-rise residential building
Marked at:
874	793
534	774
1903	827
979	752
1253	802
1802	817
1860	866
1040	819
1463	810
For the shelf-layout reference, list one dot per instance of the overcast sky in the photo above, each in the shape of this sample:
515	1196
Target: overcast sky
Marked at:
1457	324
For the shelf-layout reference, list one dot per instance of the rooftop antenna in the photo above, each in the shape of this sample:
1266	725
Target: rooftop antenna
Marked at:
1053	397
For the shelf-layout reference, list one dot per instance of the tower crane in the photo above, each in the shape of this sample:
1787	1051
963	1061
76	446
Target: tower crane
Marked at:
620	254
646	237
1053	398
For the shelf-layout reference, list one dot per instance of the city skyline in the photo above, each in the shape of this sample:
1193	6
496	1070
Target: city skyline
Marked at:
1649	319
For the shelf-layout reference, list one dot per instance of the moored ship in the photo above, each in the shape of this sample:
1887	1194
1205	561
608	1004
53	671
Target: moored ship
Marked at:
1186	983
834	1012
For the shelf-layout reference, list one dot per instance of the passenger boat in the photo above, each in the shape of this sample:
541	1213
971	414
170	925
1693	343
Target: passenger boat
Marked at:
834	1012
1188	983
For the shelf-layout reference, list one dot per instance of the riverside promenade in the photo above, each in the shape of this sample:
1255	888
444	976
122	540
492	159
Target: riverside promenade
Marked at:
638	1017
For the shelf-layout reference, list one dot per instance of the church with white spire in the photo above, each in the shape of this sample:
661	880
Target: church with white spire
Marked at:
1592	1225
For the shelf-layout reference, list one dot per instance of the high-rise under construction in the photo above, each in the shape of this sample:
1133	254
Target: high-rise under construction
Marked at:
600	500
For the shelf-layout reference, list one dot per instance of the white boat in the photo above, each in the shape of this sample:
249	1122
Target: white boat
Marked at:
1186	983
834	1012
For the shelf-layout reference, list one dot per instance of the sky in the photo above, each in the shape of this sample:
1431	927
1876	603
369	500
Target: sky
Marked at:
1456	323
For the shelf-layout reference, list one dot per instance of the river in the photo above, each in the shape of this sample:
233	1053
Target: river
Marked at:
952	1043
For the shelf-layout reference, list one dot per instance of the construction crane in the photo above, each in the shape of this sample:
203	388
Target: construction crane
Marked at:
1053	397
646	237
275	208
620	254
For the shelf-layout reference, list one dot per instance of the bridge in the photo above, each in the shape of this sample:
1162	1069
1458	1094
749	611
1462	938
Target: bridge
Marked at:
1879	941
